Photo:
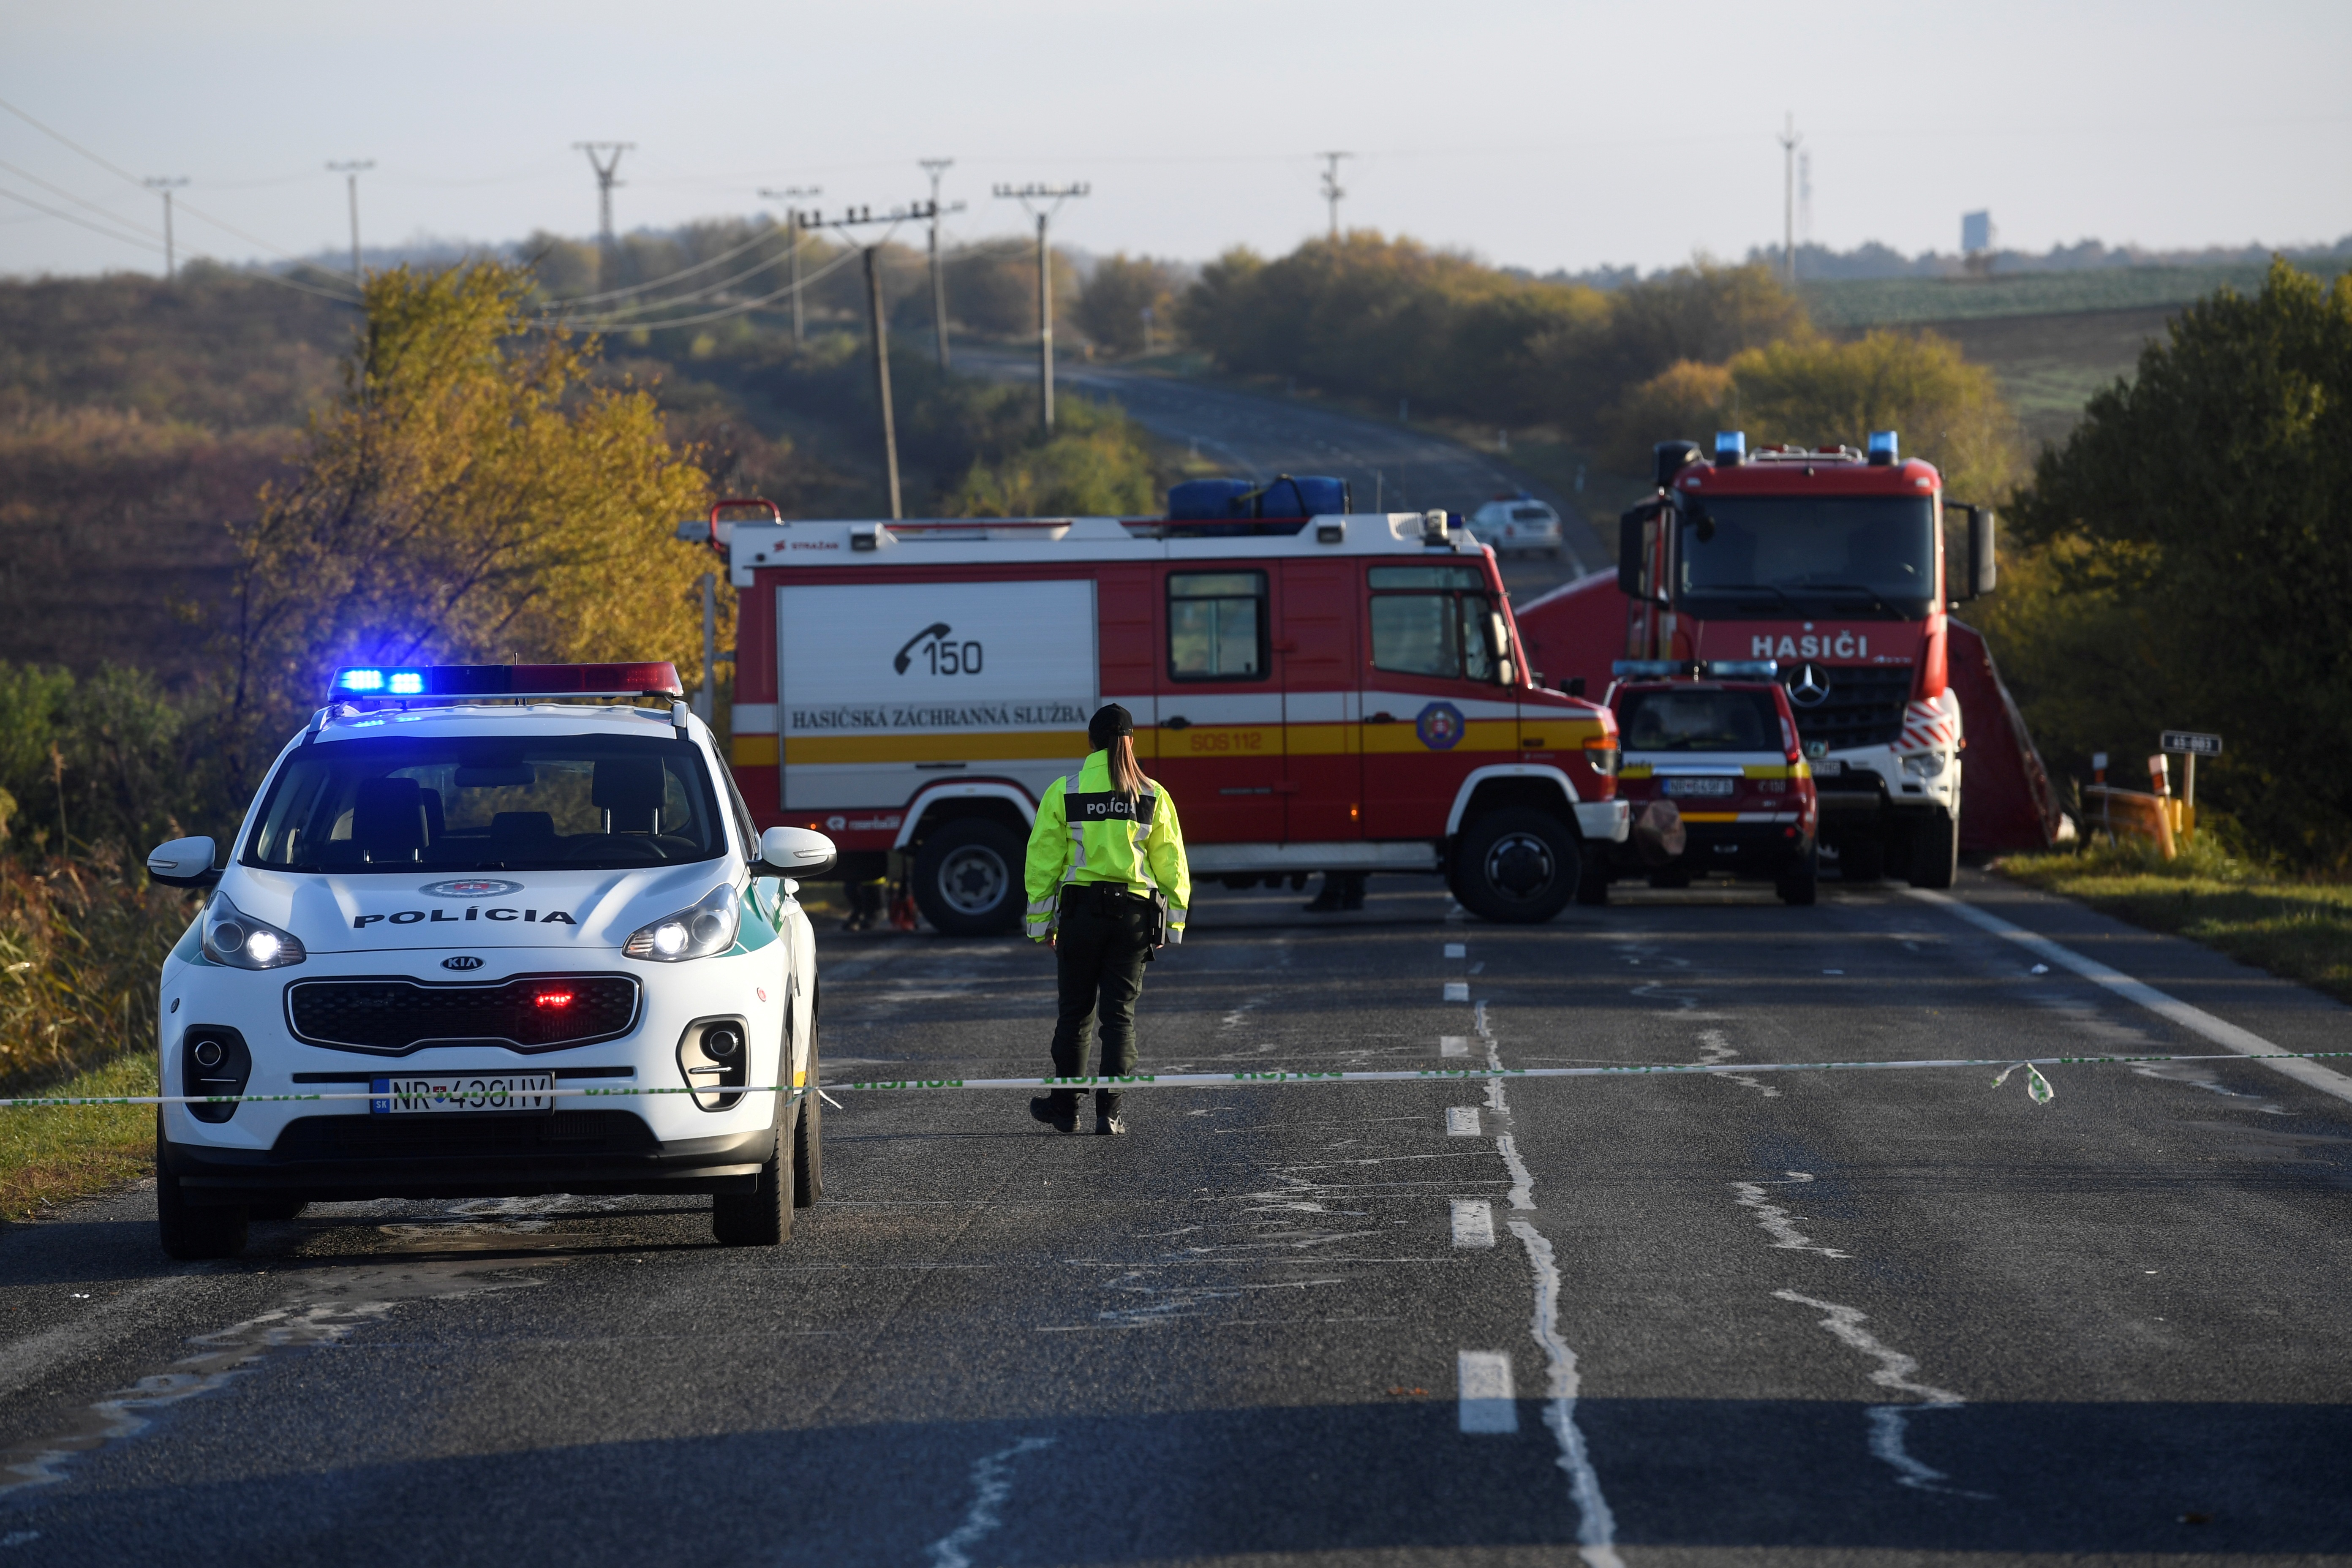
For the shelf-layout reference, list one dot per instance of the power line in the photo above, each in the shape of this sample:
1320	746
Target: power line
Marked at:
85	223
720	315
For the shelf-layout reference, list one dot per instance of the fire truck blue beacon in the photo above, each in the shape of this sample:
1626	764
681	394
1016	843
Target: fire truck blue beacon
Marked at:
492	933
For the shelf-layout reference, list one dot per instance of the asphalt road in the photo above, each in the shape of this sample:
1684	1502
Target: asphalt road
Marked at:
1389	466
1863	1316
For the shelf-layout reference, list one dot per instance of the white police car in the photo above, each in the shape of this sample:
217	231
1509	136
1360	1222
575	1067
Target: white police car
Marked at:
451	904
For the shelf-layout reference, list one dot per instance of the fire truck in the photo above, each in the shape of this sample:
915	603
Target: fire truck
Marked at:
1831	562
1338	693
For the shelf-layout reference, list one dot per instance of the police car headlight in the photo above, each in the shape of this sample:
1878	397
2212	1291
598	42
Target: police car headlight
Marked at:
706	928
1924	765
236	939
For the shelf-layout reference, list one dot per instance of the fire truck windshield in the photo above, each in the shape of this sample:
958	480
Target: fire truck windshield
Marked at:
488	804
1856	556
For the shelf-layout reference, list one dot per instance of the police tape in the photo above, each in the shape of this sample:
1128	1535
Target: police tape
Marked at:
2037	1086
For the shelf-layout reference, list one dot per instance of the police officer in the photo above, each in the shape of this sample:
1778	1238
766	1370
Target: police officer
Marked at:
1108	884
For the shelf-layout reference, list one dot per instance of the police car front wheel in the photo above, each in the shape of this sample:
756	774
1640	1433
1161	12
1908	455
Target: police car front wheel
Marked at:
1518	865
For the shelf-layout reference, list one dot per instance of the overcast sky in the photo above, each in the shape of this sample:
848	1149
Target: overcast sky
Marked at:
1541	135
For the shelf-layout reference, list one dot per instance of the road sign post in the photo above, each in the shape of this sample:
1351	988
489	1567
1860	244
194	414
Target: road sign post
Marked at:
2191	745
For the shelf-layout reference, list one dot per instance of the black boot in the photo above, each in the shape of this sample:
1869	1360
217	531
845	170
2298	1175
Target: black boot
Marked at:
1058	1109
1108	1122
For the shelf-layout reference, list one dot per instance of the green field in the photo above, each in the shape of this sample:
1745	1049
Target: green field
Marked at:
1919	301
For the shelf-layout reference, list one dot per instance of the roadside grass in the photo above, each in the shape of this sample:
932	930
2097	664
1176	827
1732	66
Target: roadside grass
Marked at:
50	1155
2297	929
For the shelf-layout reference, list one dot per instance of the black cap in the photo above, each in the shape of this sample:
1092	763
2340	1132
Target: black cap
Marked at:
1109	723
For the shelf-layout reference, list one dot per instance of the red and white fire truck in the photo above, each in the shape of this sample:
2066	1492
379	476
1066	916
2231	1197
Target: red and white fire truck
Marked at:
1340	693
1832	562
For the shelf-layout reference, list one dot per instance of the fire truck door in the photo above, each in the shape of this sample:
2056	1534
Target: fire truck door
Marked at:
1218	744
1434	707
1316	652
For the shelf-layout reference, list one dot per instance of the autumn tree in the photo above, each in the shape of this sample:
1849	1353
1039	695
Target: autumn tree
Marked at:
470	496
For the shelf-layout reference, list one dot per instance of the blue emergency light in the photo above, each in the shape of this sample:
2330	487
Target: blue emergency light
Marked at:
1655	668
1744	668
1883	451
647	678
1730	447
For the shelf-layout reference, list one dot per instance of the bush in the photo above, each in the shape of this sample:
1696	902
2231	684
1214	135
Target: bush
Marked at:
2199	522
81	941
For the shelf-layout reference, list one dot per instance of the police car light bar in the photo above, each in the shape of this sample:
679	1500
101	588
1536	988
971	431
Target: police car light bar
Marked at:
650	679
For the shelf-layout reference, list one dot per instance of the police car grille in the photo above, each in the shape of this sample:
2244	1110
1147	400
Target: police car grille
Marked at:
476	1133
394	1015
1864	707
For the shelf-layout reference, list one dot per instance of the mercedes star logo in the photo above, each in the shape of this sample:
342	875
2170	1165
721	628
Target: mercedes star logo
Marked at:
1811	686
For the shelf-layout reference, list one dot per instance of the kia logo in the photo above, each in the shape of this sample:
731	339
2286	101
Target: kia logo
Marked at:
463	960
1810	688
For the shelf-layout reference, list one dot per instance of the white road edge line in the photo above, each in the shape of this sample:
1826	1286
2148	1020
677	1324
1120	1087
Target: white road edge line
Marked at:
2196	1020
1596	1527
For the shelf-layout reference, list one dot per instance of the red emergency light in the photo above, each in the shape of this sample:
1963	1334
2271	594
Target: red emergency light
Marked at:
647	678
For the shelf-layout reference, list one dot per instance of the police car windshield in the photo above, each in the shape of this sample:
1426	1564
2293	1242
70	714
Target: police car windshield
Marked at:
1858	557
482	803
1698	720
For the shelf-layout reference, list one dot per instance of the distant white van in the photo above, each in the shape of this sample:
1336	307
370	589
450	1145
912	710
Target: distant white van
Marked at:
1518	524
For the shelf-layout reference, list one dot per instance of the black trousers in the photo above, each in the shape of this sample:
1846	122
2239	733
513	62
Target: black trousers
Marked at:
1100	947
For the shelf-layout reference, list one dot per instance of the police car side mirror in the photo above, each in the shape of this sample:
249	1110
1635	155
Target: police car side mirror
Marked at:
182	863
795	852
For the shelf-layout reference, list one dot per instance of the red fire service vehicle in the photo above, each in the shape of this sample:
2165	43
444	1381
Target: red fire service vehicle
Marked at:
1831	562
1335	693
1714	776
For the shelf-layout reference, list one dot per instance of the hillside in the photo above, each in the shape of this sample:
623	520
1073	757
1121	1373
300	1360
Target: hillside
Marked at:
2051	337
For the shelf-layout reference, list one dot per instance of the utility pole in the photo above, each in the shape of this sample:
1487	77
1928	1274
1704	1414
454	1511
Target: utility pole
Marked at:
1057	194
792	234
1789	140
170	268
352	172
878	321
935	167
605	168
1332	191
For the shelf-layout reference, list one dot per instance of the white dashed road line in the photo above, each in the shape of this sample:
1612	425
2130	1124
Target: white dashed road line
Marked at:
1457	949
1474	1222
1488	1403
1453	1045
1461	1122
2196	1020
1456	991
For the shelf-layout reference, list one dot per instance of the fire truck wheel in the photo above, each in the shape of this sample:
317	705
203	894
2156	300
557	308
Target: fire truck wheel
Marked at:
1935	853
1518	867
968	877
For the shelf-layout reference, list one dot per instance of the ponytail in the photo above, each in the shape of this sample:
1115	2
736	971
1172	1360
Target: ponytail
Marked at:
1126	774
